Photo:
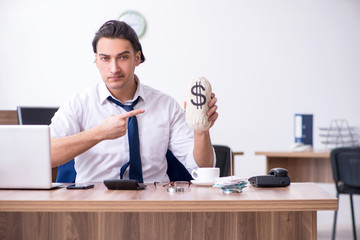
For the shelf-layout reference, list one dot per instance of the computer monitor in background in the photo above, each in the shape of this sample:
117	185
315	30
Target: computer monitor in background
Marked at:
35	115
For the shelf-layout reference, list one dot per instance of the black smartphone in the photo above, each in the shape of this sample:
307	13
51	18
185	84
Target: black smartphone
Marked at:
80	186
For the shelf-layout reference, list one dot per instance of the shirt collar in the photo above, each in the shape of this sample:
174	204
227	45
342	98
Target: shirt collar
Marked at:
104	92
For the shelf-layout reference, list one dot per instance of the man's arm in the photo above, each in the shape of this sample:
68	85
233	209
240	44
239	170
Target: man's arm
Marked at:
66	148
203	150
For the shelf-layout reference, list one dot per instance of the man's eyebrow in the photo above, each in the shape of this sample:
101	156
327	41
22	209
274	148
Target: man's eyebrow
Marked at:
119	54
124	52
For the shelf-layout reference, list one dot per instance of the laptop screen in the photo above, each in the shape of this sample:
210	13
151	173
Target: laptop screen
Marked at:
25	160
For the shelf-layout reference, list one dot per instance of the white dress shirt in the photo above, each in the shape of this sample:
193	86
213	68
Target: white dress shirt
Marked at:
161	127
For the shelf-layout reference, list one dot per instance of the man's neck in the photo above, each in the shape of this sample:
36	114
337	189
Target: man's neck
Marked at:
125	94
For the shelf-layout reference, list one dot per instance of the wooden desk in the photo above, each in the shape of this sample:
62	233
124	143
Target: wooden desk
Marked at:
312	166
199	213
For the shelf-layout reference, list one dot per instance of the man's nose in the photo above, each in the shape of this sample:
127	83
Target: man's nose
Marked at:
114	66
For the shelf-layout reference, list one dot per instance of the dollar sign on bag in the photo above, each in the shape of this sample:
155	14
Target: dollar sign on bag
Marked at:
200	98
198	95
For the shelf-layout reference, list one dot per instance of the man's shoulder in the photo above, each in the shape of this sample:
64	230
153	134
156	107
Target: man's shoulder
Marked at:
155	94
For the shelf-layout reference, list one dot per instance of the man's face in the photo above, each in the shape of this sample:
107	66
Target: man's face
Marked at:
116	61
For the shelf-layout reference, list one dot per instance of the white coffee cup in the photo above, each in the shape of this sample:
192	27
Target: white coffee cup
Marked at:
206	174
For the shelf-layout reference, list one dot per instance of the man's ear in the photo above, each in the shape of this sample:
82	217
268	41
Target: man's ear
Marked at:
138	58
95	60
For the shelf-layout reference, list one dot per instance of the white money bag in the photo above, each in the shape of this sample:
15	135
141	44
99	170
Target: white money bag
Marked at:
198	97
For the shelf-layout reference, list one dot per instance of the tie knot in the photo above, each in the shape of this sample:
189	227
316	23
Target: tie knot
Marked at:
126	107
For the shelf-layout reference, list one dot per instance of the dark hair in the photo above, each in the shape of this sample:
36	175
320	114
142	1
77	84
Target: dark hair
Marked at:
118	29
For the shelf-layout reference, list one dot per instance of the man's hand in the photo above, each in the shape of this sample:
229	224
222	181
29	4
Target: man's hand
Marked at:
115	126
212	114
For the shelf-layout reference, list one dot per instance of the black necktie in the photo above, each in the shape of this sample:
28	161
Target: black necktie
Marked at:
134	145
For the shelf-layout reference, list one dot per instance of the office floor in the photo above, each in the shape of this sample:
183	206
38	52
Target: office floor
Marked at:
341	234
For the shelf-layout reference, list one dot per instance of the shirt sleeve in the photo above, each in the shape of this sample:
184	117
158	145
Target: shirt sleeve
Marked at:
66	120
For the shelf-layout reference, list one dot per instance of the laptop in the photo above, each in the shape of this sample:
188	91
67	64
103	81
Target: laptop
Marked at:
25	161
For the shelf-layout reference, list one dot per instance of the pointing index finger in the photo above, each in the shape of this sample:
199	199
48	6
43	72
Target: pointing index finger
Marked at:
133	113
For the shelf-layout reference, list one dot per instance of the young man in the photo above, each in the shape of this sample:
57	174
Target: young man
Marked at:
92	127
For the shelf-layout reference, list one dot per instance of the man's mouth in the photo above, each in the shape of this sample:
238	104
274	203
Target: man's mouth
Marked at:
117	77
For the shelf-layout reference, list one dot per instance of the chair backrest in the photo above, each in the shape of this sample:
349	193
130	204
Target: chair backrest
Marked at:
345	164
223	159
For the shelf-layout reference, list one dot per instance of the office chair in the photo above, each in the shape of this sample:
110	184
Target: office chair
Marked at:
345	163
42	116
176	171
223	159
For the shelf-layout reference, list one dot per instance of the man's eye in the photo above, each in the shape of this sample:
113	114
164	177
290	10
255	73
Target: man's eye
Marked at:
104	58
124	57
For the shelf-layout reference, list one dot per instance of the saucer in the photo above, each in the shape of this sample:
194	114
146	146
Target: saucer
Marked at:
201	183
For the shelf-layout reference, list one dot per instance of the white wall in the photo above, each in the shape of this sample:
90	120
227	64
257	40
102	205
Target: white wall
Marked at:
266	60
